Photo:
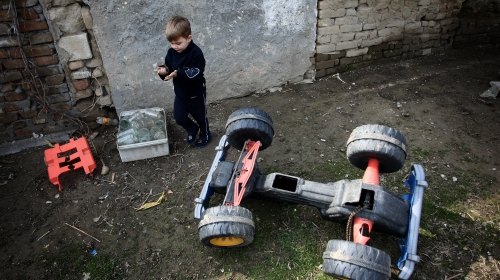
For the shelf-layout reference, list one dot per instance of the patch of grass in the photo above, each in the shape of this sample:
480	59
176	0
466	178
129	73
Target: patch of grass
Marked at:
71	261
420	154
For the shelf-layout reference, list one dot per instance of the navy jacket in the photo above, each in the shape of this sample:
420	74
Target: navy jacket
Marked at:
190	66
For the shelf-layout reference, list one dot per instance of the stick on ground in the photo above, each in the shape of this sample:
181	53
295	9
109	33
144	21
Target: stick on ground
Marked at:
82	232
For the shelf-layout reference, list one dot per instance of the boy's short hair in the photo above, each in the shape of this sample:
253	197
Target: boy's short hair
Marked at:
177	26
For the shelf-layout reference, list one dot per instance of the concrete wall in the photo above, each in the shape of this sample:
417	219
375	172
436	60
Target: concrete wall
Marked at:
248	45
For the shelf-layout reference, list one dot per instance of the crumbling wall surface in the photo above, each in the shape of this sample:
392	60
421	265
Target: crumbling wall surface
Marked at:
248	45
479	23
356	33
51	77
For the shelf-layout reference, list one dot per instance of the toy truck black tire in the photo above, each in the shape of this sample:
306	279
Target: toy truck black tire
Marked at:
349	260
383	143
226	226
249	123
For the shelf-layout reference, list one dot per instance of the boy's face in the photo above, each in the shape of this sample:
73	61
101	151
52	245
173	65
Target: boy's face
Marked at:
181	43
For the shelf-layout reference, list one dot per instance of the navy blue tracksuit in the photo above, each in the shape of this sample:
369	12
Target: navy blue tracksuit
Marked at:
190	90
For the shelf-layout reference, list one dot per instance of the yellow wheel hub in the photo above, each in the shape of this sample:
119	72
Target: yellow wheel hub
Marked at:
226	241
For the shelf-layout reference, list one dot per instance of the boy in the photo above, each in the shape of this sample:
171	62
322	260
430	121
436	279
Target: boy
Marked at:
184	65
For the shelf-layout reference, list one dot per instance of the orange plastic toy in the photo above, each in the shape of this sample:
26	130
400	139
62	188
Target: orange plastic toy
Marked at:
68	157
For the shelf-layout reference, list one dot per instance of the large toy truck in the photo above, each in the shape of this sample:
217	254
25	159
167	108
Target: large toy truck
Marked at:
362	204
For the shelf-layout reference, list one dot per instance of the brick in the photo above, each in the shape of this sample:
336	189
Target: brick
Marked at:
4	54
81	94
351	28
7	87
6	15
81	84
74	65
321	57
81	74
58	98
39	121
350	60
336	55
26	3
325	64
59	89
330	13
395	37
14	96
93	63
9	41
347	45
32	51
23	133
8	118
329	30
28	26
46	60
5	29
29	14
19	124
378	48
41	38
48	71
54	80
61	107
103	81
10	76
351	4
13	64
367	57
29	114
11	107
346	21
325	48
356	52
372	42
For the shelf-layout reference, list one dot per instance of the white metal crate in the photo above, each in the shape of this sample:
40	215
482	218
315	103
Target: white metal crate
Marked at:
144	150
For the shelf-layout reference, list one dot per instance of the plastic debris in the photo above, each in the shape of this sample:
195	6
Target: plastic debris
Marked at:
94	252
492	92
338	77
151	204
49	144
37	136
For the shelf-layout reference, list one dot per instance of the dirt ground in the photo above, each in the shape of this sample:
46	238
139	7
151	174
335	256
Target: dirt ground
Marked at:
433	100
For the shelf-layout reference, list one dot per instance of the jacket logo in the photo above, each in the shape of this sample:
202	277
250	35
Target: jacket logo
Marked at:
192	72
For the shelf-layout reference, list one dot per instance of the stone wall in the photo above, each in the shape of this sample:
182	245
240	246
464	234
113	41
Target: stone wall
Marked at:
356	33
52	78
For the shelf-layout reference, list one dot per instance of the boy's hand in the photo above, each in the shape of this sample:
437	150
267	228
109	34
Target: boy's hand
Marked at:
171	76
162	70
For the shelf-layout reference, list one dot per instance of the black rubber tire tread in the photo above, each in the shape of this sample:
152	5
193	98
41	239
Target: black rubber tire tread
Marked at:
226	228
391	156
241	130
376	263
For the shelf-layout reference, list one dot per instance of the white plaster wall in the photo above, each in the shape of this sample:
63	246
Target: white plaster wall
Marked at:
248	45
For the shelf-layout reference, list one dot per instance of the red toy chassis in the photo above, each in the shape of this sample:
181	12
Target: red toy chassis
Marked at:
362	204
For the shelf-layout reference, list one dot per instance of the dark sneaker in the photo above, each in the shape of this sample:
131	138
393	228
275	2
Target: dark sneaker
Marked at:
203	141
190	139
